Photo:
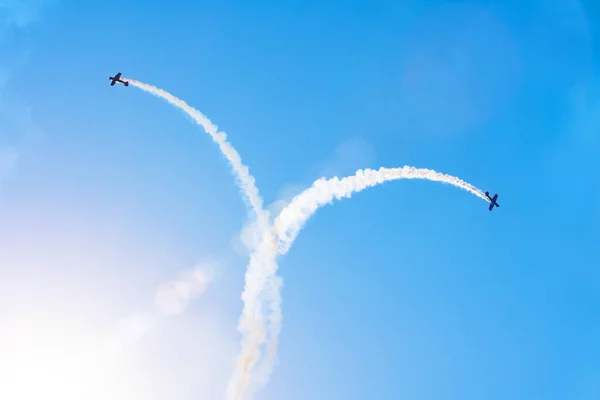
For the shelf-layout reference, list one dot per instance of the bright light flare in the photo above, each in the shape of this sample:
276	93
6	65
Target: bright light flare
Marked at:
41	362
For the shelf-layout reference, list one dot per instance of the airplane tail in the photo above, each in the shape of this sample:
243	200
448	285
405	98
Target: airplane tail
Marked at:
126	83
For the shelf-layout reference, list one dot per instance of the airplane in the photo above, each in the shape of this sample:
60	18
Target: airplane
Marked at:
492	200
117	78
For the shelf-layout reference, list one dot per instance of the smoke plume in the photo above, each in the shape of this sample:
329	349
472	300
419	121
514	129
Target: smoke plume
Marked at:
245	181
276	240
260	275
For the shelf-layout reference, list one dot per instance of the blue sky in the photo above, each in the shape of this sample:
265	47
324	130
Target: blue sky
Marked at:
412	290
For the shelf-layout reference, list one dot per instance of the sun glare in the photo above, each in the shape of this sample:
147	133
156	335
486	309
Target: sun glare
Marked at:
38	364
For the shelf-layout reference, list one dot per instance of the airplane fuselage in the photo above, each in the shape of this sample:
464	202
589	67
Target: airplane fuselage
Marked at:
117	78
492	200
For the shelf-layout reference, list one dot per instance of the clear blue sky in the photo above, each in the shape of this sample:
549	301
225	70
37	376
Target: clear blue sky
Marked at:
413	290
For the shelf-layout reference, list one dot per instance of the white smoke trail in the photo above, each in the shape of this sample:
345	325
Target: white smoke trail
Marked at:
246	182
291	219
278	240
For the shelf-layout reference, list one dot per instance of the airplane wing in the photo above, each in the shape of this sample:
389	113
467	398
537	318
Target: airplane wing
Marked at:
495	198
491	206
118	76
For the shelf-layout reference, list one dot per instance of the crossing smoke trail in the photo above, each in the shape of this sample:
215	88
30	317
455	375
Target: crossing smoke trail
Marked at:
260	275
247	184
245	181
278	240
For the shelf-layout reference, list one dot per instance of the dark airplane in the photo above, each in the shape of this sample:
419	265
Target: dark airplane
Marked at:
492	200
117	78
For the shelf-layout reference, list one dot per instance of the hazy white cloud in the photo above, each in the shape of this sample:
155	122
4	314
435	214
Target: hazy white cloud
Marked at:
246	239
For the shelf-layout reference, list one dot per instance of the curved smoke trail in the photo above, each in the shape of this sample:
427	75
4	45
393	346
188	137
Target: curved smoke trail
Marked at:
260	275
323	191
278	240
245	181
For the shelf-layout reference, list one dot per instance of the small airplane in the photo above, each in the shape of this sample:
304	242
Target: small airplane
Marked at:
492	200
117	78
